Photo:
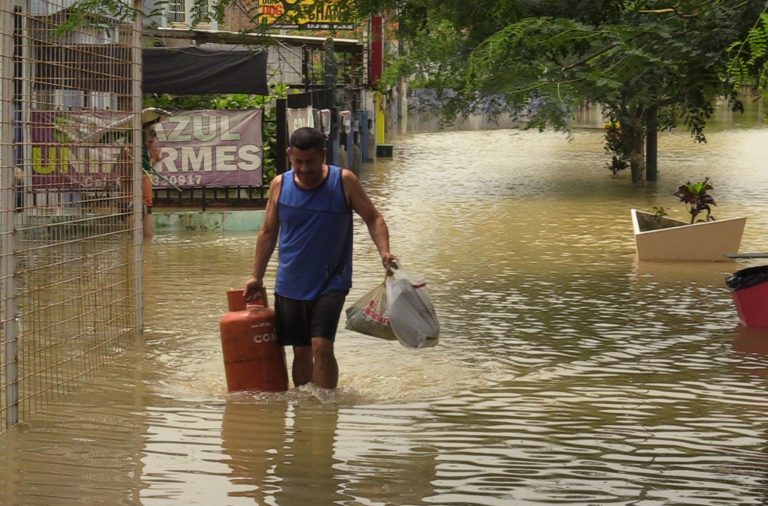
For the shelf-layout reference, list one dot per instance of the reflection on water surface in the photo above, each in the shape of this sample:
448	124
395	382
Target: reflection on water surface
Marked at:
567	371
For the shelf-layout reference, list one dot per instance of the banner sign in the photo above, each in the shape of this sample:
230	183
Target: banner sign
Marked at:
66	153
81	149
210	148
302	14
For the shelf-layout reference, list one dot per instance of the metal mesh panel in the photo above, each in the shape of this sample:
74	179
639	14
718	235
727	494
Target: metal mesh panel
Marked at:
70	202
297	65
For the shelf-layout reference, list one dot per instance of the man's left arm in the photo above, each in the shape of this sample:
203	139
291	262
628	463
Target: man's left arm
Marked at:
360	203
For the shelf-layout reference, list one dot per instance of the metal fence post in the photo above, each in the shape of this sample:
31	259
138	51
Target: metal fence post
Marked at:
7	225
281	132
138	142
331	68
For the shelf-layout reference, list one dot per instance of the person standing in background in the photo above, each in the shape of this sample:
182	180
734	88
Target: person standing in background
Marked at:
150	155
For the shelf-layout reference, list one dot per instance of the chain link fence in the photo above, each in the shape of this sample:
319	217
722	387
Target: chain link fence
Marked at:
70	208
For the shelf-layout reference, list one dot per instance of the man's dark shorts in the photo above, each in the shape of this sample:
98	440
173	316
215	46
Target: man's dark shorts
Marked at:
298	321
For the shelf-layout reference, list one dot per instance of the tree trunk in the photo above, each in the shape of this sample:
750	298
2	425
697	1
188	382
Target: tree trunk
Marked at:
637	158
652	145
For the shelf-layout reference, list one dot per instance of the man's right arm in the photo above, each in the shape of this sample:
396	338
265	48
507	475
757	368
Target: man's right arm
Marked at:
265	242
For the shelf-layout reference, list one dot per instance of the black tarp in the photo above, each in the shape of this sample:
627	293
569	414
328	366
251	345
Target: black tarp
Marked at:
193	70
178	71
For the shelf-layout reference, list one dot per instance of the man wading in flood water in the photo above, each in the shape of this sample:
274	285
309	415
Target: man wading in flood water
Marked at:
310	212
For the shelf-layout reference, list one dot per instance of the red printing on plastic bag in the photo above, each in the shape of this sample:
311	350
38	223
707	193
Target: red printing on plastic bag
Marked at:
373	312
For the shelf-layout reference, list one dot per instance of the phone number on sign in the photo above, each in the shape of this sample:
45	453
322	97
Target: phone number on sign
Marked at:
179	180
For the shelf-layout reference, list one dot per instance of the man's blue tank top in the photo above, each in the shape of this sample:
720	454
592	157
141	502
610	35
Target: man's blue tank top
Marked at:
315	245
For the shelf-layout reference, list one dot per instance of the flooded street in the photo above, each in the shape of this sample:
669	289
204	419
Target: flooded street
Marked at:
567	372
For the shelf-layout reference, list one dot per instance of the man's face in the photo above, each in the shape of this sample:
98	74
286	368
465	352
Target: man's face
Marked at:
307	165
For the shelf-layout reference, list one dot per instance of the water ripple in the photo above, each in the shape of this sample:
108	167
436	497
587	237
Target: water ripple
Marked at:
567	372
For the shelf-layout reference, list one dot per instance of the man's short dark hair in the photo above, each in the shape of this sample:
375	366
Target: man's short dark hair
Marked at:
307	138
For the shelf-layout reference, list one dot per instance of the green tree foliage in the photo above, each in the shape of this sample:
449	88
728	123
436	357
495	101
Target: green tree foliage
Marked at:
546	57
748	64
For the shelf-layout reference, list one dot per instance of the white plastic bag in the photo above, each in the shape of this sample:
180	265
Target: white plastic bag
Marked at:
369	314
411	312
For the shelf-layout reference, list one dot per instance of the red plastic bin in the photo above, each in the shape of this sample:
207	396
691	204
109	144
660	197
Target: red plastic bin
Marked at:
749	288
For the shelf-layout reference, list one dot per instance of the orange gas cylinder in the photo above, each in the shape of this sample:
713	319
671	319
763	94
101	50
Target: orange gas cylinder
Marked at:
252	358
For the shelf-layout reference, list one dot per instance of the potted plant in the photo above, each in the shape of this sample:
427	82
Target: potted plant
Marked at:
696	199
660	237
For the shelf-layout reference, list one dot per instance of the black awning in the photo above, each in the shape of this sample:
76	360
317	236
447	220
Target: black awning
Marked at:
192	70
